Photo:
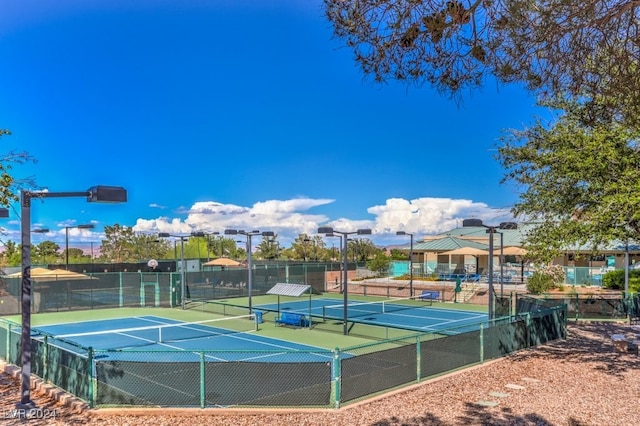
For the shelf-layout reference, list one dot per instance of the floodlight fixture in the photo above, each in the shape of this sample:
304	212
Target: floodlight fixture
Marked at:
329	231
113	194
249	235
410	261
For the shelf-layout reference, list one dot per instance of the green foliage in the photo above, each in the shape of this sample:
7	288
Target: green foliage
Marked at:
455	45
539	283
580	181
379	264
119	244
361	249
399	255
546	278
269	247
8	183
614	280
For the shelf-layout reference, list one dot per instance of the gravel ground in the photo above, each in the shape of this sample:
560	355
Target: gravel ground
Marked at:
578	381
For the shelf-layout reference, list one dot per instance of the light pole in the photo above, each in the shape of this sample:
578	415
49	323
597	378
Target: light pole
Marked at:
327	230
410	261
183	276
109	194
491	230
66	231
501	263
338	256
249	235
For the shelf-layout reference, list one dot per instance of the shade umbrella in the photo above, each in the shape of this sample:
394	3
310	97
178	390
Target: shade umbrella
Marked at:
222	261
514	251
471	251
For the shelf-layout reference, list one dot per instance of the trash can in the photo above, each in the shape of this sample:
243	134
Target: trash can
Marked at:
258	316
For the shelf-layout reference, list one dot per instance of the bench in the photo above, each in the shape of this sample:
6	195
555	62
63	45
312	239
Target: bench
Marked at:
293	319
429	295
462	277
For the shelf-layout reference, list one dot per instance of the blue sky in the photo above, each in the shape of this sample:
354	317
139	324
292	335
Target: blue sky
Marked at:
241	114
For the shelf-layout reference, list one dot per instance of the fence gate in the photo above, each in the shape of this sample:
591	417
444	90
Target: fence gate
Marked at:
149	280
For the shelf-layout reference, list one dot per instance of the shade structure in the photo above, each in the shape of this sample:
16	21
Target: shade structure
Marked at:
471	251
514	251
222	261
43	274
34	272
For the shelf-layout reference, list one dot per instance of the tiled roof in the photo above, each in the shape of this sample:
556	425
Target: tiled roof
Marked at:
444	244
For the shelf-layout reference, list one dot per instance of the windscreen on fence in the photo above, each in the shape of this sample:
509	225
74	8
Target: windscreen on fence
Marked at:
449	353
212	384
579	306
274	377
370	372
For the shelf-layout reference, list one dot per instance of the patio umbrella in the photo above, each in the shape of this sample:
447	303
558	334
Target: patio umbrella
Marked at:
222	261
471	251
514	251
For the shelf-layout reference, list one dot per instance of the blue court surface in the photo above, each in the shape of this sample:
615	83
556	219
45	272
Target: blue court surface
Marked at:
151	338
386	313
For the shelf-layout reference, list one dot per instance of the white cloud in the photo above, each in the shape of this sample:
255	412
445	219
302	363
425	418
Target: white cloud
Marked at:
428	216
289	218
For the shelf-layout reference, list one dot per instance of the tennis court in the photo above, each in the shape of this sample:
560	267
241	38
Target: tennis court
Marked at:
408	313
204	357
222	339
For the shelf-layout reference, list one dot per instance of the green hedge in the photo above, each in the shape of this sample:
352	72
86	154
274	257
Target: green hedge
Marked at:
614	280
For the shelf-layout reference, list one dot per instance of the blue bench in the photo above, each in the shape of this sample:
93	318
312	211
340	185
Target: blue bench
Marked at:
463	277
429	295
293	319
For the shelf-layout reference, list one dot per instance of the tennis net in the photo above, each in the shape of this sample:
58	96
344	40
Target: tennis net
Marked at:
359	309
161	333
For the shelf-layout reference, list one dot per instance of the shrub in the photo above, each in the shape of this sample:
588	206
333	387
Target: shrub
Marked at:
614	280
545	278
539	282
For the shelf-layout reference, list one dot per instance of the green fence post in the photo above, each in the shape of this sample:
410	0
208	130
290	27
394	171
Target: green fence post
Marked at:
482	343
418	357
202	382
121	295
528	328
93	380
45	359
8	343
335	380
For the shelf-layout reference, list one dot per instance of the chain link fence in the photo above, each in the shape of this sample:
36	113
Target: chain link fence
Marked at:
278	378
